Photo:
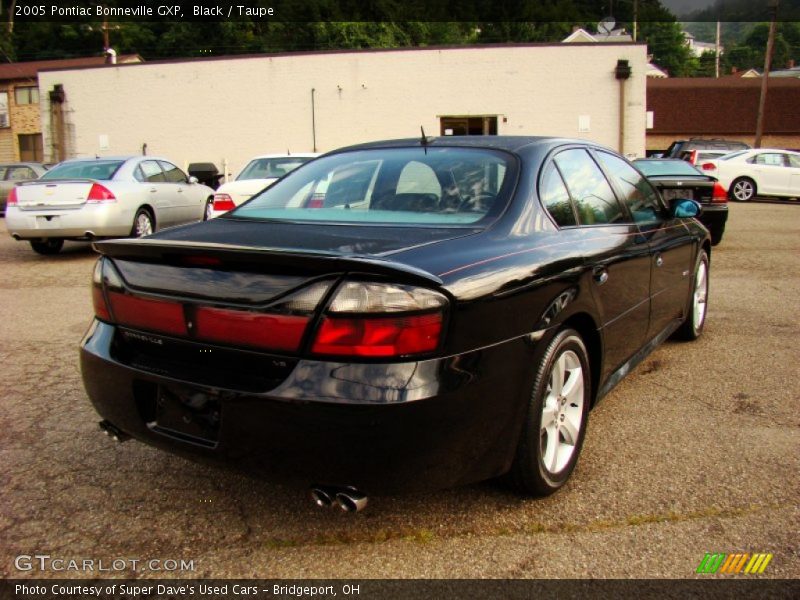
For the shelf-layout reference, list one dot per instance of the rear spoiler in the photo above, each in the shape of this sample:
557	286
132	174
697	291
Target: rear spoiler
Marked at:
54	181
154	250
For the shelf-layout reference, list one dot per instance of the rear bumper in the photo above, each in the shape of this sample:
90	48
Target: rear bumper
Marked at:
383	428
91	220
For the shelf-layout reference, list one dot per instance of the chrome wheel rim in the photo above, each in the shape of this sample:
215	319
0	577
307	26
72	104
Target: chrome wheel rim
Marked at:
209	209
700	295
144	226
562	412
743	190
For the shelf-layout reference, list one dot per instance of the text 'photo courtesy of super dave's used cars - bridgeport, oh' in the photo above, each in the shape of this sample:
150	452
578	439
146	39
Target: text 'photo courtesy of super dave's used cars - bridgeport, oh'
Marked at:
398	316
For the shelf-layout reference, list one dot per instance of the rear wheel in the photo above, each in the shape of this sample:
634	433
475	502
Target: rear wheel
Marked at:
209	210
692	327
743	189
48	246
555	423
143	223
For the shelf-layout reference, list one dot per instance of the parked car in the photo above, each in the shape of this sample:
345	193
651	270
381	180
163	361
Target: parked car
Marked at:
676	178
13	173
449	312
680	146
765	172
697	157
89	199
259	173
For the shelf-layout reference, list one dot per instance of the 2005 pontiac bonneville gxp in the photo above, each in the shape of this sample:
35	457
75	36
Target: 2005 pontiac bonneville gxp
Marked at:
398	315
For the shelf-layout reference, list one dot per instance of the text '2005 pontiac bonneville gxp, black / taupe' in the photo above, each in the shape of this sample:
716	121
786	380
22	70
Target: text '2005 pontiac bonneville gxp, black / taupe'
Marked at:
398	315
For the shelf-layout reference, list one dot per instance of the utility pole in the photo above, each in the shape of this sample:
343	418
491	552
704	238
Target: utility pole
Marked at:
762	101
635	19
718	49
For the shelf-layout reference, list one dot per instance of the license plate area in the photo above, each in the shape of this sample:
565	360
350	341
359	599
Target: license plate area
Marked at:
187	414
48	222
671	194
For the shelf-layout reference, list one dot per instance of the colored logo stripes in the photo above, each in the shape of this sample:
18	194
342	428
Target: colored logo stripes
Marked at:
745	562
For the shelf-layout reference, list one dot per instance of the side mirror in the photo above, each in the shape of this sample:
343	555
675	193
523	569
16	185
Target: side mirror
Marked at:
193	179
681	208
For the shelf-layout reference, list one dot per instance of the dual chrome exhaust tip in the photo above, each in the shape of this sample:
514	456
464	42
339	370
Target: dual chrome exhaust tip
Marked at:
347	498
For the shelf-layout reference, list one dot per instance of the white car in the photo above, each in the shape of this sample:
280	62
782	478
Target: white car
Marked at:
260	173
763	171
88	199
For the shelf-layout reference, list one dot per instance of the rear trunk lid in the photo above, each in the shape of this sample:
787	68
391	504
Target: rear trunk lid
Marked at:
68	193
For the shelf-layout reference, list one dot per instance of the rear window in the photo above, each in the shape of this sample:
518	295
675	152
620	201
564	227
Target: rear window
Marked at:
654	168
90	169
436	186
271	168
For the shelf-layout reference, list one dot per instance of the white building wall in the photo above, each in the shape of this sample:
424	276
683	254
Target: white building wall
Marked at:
235	108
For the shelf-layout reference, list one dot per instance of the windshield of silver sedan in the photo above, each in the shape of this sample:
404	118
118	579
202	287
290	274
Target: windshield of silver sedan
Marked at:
414	186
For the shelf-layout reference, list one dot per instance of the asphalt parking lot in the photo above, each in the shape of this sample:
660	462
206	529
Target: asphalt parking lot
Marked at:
697	451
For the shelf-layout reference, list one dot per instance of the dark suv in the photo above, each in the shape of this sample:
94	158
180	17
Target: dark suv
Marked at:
678	147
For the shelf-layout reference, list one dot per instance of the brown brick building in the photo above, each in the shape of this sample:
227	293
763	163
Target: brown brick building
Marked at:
723	108
20	119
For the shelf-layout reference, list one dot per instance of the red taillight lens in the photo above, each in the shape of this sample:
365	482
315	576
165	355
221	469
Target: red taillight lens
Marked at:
709	167
145	313
316	203
223	202
12	198
378	337
693	157
98	298
100	193
719	194
273	332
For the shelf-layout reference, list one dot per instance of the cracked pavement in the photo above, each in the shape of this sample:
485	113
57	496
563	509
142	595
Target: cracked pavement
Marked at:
696	451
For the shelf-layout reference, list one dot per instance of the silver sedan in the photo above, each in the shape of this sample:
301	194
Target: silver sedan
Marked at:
87	199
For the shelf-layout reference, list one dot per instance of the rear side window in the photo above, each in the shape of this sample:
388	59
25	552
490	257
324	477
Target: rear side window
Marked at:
152	172
555	197
20	174
794	161
637	193
772	160
594	199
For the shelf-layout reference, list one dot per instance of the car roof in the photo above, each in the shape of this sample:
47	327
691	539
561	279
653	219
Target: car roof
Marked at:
284	155
122	158
510	143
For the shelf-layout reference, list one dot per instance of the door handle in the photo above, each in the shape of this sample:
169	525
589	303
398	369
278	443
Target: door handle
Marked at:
600	275
659	260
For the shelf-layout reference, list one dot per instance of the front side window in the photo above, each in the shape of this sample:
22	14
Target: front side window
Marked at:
271	168
594	199
403	186
637	193
172	173
94	169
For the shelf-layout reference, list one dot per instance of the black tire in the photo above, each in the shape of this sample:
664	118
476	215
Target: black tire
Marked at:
140	229
692	327
209	208
47	247
528	473
743	189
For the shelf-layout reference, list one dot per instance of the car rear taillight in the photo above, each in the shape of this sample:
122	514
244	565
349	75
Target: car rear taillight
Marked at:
223	202
277	327
378	320
719	194
693	157
100	193
709	166
12	198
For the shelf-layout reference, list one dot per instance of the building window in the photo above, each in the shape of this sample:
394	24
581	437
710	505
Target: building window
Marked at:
30	147
486	125
4	110
26	95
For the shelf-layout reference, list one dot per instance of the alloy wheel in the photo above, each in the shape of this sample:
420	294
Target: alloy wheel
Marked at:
562	412
743	190
144	224
700	295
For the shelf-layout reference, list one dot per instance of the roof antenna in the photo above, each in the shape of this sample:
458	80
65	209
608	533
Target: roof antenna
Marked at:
424	141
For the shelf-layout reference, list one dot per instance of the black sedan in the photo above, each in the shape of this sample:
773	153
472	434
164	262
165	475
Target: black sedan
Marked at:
677	178
401	315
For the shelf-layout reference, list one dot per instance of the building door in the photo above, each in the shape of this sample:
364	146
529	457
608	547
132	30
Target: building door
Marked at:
481	125
30	147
